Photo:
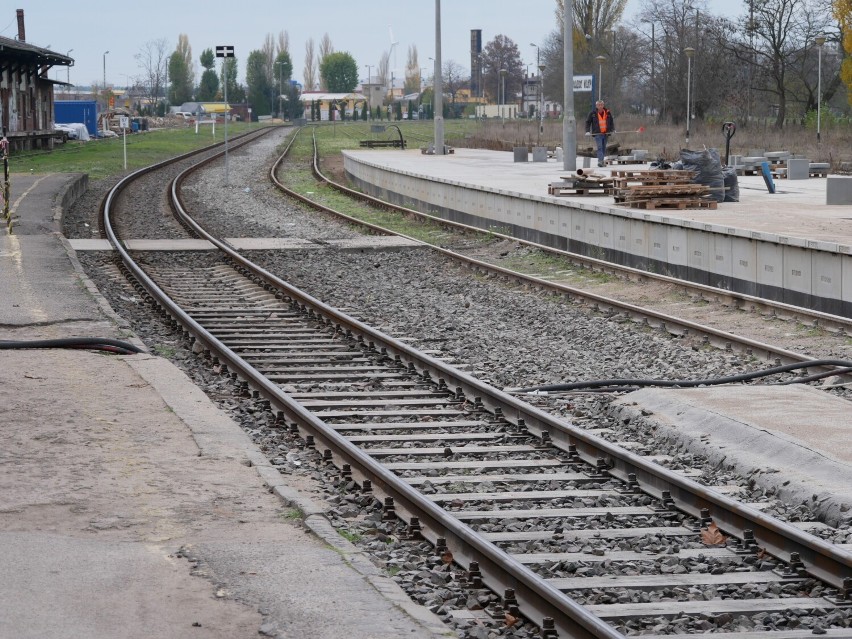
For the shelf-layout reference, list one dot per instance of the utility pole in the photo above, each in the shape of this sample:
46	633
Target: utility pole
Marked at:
569	121
439	85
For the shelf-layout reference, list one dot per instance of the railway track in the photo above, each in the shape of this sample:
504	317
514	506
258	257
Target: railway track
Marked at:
518	497
663	321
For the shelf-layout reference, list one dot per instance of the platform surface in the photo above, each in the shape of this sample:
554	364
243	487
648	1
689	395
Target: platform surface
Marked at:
796	209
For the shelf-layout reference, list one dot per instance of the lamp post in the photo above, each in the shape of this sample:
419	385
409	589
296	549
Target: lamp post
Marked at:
106	102
819	42
438	85
369	89
503	73
280	86
105	55
537	63
541	100
601	59
68	70
689	51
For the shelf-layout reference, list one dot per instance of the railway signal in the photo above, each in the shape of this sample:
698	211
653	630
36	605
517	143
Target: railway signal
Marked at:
225	51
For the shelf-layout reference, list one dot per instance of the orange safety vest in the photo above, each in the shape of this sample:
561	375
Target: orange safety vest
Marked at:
602	118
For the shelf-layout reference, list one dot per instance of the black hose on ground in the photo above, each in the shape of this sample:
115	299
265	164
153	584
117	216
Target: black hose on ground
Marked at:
689	383
89	343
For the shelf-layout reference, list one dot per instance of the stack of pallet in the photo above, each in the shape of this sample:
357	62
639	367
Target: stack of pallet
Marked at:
660	189
583	182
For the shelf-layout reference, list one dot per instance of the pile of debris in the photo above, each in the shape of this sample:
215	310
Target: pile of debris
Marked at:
583	182
661	189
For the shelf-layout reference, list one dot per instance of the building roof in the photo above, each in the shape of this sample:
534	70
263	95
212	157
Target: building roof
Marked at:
310	96
32	54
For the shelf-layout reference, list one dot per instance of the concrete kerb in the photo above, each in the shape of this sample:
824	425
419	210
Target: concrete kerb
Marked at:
728	449
217	435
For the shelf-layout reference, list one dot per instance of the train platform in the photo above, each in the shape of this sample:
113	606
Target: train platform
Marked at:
131	506
797	209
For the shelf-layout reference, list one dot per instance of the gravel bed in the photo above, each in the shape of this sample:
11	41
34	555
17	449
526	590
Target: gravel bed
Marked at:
509	336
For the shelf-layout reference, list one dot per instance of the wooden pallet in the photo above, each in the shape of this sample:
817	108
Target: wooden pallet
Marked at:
671	203
654	174
561	191
651	191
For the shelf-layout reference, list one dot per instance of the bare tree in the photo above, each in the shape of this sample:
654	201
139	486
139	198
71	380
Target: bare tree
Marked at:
325	48
501	53
383	70
309	72
412	71
153	60
454	78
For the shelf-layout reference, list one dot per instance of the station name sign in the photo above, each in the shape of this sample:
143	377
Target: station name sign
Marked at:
583	83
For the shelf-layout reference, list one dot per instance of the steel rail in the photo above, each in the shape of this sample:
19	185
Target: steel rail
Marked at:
536	597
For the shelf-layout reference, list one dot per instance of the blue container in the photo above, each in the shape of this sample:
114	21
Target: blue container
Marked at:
74	111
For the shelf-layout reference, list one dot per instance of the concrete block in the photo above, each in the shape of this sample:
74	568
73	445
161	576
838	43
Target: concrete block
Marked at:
798	277
827	275
521	154
756	152
539	154
838	189
798	169
587	162
770	265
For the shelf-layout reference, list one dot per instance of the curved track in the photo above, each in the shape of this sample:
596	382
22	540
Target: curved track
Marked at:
398	420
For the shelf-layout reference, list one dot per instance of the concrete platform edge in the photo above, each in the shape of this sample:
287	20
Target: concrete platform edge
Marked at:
217	435
687	430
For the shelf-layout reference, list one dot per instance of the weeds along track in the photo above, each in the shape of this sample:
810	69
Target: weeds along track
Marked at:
581	536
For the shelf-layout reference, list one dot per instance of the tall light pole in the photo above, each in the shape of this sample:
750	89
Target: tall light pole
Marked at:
537	63
68	69
503	73
601	59
438	85
819	42
106	102
689	51
569	119
280	85
541	100
105	55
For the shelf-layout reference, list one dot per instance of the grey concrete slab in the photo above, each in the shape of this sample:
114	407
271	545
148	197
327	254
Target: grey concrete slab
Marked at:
794	439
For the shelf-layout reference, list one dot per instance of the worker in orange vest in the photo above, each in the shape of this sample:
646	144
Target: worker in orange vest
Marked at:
600	124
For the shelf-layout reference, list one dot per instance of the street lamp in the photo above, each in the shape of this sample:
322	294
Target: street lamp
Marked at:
280	66
689	51
601	59
369	89
819	41
105	55
503	73
68	70
541	100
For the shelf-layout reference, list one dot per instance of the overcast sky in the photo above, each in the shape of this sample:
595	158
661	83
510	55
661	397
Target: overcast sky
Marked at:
361	27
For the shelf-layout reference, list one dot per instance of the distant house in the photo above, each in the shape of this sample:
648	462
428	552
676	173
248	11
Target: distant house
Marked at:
26	92
329	102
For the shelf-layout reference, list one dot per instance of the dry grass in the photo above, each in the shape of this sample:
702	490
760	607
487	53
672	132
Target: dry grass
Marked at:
666	140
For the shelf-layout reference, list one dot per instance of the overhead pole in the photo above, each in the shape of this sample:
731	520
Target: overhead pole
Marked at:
439	85
225	52
569	121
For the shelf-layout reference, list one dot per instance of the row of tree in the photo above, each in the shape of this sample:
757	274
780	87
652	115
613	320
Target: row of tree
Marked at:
763	63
